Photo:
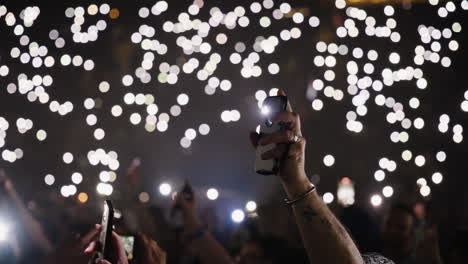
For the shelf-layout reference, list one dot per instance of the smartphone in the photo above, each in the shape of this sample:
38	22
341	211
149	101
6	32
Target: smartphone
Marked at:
105	237
129	245
271	106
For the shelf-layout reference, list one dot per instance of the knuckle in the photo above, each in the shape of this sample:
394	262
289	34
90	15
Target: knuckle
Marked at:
289	135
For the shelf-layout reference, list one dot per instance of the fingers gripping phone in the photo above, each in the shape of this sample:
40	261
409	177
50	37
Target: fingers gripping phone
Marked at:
105	237
271	106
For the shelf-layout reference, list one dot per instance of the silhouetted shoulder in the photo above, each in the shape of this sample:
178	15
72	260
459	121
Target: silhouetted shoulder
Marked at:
374	258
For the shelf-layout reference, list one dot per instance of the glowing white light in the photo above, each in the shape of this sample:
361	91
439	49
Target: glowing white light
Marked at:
204	129
251	206
41	135
4	230
441	156
421	182
437	178
379	175
68	158
376	200
420	160
425	190
237	216
165	189
328	198
49	179
77	178
329	160
387	191
182	99
99	134
317	104
212	194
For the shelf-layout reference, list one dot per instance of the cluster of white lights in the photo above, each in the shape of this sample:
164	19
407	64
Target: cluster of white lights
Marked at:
386	164
12	156
230	116
100	156
464	104
68	190
78	16
104	189
433	43
24	125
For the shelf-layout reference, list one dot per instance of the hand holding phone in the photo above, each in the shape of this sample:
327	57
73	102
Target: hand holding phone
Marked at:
271	106
105	237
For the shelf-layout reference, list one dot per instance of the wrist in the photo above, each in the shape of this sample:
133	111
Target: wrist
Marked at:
296	185
192	222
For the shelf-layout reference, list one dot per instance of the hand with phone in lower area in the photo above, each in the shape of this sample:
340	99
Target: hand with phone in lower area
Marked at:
116	251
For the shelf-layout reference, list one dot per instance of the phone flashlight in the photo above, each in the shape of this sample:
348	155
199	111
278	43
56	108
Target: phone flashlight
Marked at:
271	106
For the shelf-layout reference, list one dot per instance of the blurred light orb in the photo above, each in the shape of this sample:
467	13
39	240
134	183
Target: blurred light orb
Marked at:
441	156
387	191
425	190
4	230
82	197
77	178
251	206
41	135
406	155
204	129
212	194
421	182
182	99
420	160
67	157
143	197
437	178
328	198
237	216
165	189
379	175
376	200
49	179
329	160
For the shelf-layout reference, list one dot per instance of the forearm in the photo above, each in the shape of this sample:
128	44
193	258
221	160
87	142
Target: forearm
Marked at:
34	228
325	239
207	247
210	250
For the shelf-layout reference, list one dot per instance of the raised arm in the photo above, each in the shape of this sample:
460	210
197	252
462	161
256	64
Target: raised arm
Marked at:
32	226
325	239
207	247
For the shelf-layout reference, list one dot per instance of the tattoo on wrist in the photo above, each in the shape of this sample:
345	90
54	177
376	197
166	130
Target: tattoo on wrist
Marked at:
309	214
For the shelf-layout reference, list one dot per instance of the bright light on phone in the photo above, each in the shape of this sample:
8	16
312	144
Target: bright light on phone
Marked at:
265	110
4	229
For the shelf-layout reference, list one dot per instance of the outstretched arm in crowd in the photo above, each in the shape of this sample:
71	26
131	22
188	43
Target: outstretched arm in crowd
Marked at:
32	226
325	239
207	247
